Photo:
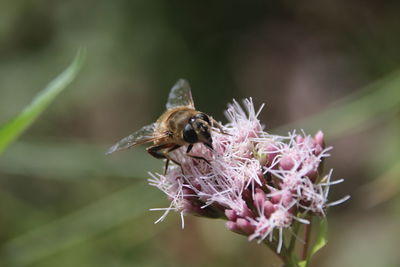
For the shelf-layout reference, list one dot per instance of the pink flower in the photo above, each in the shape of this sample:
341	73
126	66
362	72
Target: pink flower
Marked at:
259	182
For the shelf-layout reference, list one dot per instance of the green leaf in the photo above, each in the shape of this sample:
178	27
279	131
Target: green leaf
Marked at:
320	242
322	238
16	126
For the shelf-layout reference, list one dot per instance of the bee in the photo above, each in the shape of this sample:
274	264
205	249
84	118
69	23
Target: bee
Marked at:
181	124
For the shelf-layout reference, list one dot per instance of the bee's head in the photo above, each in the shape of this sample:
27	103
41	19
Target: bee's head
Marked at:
198	129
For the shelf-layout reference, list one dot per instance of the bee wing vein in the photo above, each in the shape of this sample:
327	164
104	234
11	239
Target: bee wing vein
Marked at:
180	95
144	135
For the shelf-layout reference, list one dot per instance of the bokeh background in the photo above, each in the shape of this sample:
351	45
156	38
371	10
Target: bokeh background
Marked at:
329	65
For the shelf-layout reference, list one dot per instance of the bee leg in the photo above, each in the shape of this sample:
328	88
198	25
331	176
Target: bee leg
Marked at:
197	157
216	124
169	158
174	161
166	166
189	148
161	152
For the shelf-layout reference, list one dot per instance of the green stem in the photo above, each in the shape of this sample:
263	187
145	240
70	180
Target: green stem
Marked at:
292	243
307	235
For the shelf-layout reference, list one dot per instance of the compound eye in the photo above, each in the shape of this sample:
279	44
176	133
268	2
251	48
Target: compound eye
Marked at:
203	117
189	134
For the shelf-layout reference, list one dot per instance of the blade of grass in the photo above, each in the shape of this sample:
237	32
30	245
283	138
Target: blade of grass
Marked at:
16	126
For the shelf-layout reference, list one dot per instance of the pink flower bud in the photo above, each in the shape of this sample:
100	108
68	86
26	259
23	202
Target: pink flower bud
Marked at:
287	198
312	175
268	208
272	152
246	212
245	226
246	195
231	215
232	226
259	190
259	199
319	139
287	162
299	139
276	198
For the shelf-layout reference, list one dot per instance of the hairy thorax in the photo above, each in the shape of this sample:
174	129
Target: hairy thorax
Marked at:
172	122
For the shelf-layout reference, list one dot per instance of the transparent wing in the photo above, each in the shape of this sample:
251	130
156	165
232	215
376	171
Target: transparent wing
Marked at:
180	95
144	135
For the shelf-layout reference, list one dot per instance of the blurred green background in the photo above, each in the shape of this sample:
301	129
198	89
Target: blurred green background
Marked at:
329	65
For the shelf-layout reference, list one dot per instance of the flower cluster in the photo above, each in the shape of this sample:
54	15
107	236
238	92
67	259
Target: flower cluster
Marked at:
260	183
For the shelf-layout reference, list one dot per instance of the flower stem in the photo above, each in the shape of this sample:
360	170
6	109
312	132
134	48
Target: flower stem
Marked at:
292	243
307	235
